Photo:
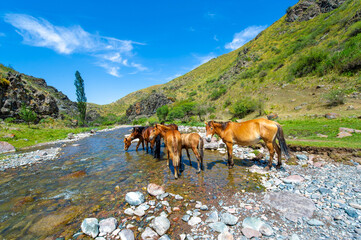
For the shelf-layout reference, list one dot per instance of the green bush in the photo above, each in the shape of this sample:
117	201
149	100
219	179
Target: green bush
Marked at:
27	114
244	107
152	121
335	97
140	121
218	93
212	116
9	120
162	112
308	63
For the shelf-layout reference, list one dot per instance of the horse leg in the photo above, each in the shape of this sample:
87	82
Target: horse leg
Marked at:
167	158
195	151
146	142
189	157
136	148
143	144
230	162
278	150
271	153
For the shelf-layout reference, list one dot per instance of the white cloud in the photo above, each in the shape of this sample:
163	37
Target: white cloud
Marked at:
173	77
204	59
111	53
244	36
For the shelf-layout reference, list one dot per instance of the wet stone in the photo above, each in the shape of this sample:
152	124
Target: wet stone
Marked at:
229	219
315	222
302	157
213	217
134	198
251	233
164	237
186	218
178	197
107	225
149	234
204	207
155	190
161	225
90	226
129	211
225	236
194	221
218	227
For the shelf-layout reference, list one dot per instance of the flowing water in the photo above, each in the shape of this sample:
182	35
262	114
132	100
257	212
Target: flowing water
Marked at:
90	179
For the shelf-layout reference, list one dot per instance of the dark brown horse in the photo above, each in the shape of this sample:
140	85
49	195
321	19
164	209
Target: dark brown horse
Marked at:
248	133
135	134
173	143
194	142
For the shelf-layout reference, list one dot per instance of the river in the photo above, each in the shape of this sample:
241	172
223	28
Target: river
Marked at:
90	179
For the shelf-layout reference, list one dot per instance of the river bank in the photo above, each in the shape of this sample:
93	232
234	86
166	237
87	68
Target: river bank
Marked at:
45	151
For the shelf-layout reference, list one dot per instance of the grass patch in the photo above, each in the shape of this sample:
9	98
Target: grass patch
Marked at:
306	131
26	136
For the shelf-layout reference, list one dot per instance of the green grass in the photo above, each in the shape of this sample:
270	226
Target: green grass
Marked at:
306	131
28	136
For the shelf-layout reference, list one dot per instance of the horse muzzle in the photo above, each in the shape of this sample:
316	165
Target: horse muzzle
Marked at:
208	138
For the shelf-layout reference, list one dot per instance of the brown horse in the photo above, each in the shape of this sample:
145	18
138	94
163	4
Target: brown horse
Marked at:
248	133
195	142
173	143
136	134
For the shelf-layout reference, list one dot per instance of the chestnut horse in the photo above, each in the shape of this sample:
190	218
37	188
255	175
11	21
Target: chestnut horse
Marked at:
173	144
136	133
195	142
248	133
142	133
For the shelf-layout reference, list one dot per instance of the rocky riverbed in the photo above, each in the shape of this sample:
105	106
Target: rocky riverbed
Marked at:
313	197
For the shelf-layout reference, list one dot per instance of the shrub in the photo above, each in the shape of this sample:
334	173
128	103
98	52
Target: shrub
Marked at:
218	93
162	112
27	114
212	116
244	107
9	120
152	121
308	63
335	97
140	121
193	93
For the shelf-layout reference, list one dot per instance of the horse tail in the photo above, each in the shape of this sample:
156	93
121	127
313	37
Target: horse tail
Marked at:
200	147
281	139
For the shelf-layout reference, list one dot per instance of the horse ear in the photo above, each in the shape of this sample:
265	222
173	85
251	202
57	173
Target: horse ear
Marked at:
205	122
156	126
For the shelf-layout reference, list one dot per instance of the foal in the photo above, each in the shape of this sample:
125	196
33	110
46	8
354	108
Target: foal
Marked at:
195	142
173	144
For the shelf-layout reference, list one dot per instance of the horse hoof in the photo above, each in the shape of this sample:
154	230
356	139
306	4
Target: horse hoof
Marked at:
267	168
230	166
198	171
278	166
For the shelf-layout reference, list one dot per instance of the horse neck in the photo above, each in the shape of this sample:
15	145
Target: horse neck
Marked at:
219	130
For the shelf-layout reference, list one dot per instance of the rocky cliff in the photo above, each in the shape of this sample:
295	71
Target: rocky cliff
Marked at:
147	106
17	89
308	9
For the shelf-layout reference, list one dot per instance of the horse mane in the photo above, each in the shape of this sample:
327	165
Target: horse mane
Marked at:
139	129
223	124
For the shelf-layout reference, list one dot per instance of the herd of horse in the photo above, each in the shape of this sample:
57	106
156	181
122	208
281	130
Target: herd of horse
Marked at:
244	134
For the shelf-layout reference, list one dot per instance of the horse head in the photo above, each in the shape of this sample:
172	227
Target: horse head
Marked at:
155	131
210	130
127	142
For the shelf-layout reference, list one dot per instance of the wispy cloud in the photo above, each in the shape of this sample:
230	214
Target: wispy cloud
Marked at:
205	58
110	53
244	36
215	38
173	77
210	15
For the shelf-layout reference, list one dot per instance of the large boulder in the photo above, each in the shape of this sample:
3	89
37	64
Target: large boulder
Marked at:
291	205
6	147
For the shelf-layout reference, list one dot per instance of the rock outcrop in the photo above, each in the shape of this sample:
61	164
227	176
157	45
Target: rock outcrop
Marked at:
18	89
308	9
148	106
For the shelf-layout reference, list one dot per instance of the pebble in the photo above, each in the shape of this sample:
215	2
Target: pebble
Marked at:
149	234
194	221
229	219
251	233
218	227
315	222
186	218
108	225
161	225
134	198
126	234
90	226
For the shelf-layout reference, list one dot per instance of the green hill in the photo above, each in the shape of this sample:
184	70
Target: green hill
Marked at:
311	54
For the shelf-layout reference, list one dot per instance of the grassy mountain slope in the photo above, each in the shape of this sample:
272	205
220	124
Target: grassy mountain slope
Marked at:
281	67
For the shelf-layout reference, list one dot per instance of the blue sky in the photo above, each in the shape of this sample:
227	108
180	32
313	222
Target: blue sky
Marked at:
123	46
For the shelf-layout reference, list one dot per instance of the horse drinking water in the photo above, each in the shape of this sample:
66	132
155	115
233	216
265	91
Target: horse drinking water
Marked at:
248	133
